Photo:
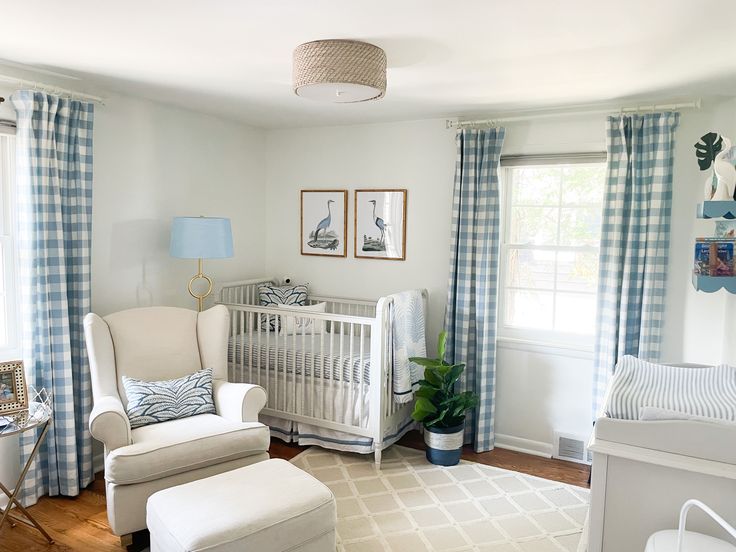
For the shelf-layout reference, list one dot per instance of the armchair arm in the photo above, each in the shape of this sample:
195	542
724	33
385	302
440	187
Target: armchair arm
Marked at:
238	401
109	423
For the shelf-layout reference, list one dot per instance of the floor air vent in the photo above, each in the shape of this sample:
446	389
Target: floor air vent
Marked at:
570	447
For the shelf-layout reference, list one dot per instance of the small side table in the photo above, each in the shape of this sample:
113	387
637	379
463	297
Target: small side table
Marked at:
37	415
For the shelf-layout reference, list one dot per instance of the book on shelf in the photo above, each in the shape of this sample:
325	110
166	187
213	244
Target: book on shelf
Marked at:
715	257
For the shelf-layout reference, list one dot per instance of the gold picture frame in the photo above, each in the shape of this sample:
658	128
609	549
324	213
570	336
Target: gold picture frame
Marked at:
323	228
13	389
382	229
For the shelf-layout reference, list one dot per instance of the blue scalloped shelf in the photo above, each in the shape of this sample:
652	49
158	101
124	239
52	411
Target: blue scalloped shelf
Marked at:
717	209
710	284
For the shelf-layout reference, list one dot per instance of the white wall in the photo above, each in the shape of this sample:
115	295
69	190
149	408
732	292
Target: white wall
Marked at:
419	156
701	327
154	162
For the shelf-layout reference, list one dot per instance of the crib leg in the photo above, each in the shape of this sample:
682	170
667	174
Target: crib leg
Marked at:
377	455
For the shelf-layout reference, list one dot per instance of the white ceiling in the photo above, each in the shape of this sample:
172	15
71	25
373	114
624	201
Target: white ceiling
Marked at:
446	58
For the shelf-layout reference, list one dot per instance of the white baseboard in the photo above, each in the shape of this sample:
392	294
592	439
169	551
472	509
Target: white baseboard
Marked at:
527	446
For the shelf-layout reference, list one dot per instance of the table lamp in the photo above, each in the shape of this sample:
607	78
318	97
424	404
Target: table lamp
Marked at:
201	238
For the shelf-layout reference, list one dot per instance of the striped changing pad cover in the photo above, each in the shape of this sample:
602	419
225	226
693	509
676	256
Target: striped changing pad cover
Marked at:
708	392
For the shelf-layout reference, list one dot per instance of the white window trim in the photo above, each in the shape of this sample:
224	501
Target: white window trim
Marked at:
526	339
7	237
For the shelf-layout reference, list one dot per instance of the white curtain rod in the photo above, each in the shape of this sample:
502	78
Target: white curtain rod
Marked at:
542	114
25	83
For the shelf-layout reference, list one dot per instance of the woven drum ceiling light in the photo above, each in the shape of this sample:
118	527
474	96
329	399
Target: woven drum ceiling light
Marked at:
341	71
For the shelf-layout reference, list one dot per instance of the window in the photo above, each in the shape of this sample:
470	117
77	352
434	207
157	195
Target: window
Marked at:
9	344
551	240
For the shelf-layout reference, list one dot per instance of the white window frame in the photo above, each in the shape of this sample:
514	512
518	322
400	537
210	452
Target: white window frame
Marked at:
530	338
7	237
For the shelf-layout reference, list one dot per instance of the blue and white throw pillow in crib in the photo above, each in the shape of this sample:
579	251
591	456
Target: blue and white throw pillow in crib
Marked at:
272	296
151	402
295	324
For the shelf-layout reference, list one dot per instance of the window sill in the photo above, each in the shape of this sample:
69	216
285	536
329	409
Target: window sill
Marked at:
570	350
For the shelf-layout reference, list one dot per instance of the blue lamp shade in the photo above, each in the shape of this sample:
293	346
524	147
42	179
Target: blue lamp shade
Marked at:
201	238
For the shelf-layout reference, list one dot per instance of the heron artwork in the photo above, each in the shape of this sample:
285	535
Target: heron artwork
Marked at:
328	240
373	244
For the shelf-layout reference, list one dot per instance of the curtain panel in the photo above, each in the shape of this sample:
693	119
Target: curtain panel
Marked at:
54	190
470	315
635	241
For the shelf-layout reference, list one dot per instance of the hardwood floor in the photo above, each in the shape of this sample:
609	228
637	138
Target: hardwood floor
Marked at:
80	524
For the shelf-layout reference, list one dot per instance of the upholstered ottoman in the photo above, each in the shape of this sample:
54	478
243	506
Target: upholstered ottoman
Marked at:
267	507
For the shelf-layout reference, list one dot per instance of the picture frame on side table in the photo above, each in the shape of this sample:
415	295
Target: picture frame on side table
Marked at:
13	389
380	224
324	223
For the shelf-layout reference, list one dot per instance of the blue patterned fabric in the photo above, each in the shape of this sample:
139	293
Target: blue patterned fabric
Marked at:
470	316
54	190
635	241
152	402
270	296
408	339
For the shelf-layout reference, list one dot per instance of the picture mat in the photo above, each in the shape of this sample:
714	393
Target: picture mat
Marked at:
313	211
391	208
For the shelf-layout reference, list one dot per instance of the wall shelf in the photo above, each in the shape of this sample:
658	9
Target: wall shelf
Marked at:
710	284
717	209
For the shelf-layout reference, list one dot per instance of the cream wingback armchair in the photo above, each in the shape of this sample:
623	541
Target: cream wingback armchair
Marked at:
161	343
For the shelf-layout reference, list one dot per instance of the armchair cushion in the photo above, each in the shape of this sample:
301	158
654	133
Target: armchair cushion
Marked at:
152	402
109	423
178	446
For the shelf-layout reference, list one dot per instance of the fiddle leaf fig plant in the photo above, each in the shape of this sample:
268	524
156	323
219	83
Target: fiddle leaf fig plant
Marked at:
706	150
437	405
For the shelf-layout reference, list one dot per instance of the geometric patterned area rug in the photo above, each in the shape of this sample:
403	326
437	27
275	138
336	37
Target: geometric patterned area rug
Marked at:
412	505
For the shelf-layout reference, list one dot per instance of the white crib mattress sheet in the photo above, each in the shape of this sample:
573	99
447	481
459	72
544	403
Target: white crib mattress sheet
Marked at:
310	354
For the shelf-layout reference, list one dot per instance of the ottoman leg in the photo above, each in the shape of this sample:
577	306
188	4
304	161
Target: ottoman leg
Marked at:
377	455
126	540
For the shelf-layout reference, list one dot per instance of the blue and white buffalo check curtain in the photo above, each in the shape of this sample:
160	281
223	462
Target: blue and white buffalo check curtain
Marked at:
470	316
54	187
635	241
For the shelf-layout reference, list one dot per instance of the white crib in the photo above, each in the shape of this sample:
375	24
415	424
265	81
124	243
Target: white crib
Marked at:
339	379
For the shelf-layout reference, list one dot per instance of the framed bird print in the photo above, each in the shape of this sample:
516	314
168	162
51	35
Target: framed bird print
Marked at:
324	222
380	224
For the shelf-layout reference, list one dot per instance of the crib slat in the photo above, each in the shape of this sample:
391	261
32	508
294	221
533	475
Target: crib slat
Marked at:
260	351
250	347
311	381
322	373
241	363
350	372
301	407
275	362
360	370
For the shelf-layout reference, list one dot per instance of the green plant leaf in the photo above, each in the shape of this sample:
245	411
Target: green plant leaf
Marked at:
433	377
706	150
426	392
441	343
423	408
453	374
424	383
427	362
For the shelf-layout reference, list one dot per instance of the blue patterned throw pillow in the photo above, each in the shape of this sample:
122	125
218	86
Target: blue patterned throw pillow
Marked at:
151	402
270	296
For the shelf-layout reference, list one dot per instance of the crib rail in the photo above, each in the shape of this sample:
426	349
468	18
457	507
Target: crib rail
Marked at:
320	377
243	292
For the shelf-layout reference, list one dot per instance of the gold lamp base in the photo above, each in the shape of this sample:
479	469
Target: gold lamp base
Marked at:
200	276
